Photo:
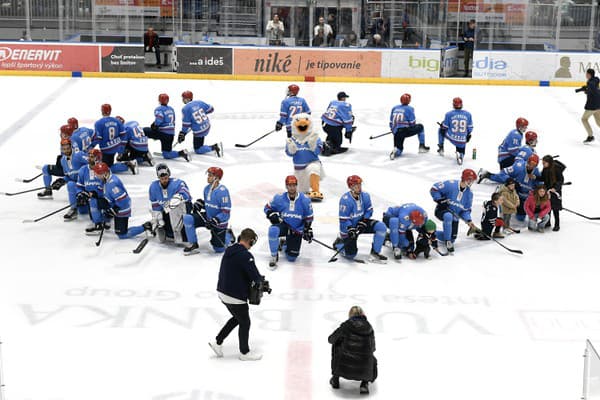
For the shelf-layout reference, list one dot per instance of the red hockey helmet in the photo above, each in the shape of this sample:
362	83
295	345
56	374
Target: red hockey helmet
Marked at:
65	142
533	159
187	95
106	109
215	171
163	99
121	119
405	99
457	103
66	131
417	217
293	90
291	180
530	136
101	168
96	154
353	180
73	123
468	175
522	124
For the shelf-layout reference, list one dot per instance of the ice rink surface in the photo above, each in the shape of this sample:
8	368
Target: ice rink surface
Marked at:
80	322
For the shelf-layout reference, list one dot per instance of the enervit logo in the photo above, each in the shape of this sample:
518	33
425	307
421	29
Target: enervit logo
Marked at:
6	53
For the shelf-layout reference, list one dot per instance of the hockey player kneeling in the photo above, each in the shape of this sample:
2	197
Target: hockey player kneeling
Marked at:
304	147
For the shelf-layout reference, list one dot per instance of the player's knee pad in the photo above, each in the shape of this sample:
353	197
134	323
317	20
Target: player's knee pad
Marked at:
290	257
380	229
274	232
447	217
393	224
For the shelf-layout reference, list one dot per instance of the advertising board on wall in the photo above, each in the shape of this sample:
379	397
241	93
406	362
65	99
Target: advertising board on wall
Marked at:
204	60
138	8
122	59
410	64
19	56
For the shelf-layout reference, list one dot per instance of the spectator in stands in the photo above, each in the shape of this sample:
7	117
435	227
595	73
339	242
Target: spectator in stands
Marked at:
275	31
151	44
469	38
332	24
377	41
319	40
326	32
351	40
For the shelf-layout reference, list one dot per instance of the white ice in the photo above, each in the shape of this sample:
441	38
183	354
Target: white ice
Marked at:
84	322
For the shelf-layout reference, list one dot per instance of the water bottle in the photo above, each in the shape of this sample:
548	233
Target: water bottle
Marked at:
474	153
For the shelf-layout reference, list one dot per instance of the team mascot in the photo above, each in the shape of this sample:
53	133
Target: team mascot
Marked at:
304	147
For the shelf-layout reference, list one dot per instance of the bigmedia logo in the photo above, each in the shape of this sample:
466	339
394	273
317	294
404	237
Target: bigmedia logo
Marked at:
429	64
490	67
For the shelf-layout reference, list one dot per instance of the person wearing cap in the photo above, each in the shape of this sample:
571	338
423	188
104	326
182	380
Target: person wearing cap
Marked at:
592	105
337	117
426	239
510	203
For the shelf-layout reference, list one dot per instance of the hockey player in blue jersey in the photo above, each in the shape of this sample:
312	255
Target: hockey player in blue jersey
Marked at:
355	212
212	212
454	201
304	147
195	119
108	132
457	128
523	153
526	175
163	129
401	220
337	117
134	143
509	147
291	216
89	189
82	138
171	202
403	124
290	106
115	202
56	169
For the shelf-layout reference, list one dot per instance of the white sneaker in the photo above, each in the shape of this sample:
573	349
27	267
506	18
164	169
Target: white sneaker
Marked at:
250	356
217	348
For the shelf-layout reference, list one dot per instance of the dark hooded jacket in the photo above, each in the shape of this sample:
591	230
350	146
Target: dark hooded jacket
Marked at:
593	94
237	271
352	353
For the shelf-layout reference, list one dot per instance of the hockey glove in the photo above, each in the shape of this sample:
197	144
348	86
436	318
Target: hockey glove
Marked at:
111	212
353	233
199	205
82	198
57	184
434	243
291	146
181	137
278	126
157	220
442	204
154	128
362	226
214	223
499	222
274	217
307	234
468	137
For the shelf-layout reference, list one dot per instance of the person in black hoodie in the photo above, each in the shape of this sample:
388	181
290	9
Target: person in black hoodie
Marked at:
236	274
491	219
352	351
552	174
592	105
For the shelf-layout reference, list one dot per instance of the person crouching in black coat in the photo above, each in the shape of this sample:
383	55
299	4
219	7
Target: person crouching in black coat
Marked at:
352	351
552	174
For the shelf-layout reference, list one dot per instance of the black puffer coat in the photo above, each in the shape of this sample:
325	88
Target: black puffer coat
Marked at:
352	351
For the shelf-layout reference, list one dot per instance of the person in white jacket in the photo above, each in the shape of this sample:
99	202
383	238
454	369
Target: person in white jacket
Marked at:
275	31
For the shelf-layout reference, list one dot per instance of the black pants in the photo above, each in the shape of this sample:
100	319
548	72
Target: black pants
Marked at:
334	137
166	141
132	154
109	159
468	58
403	133
156	51
350	247
241	317
217	235
56	169
556	204
507	162
293	240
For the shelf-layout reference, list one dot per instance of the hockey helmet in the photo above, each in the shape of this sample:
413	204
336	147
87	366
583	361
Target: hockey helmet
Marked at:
533	159
457	103
293	90
216	172
106	109
353	180
163	99
405	99
162	169
66	131
96	154
73	123
521	124
101	169
121	119
531	137
187	95
291	180
416	217
468	175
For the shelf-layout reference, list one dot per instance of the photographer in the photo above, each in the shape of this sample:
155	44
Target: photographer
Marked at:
237	273
592	105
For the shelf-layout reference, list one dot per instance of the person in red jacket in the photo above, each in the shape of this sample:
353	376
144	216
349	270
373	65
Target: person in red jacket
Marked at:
537	207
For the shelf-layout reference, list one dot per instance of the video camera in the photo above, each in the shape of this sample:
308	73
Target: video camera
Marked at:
257	290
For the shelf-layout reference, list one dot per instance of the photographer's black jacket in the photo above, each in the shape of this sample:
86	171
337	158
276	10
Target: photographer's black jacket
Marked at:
593	94
237	271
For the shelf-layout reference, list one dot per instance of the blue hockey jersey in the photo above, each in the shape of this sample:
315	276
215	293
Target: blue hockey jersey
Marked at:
295	213
291	106
71	165
87	181
404	223
510	145
304	155
458	124
83	139
116	195
518	171
339	113
218	204
524	153
108	131
195	118
460	201
164	119
352	210
135	137
401	117
159	196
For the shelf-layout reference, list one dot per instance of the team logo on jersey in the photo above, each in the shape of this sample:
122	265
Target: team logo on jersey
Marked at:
115	190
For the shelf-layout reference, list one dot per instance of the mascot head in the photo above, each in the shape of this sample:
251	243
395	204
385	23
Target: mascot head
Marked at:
302	127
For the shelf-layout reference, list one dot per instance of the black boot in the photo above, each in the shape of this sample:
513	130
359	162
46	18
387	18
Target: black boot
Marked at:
335	382
556	214
364	387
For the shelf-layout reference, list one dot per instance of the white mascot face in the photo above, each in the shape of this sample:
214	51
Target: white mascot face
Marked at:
302	127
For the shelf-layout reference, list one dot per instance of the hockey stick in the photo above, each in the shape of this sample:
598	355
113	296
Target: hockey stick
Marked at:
208	226
517	251
101	236
581	215
322	244
30	179
24	191
334	257
251	143
47	215
144	242
378	136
